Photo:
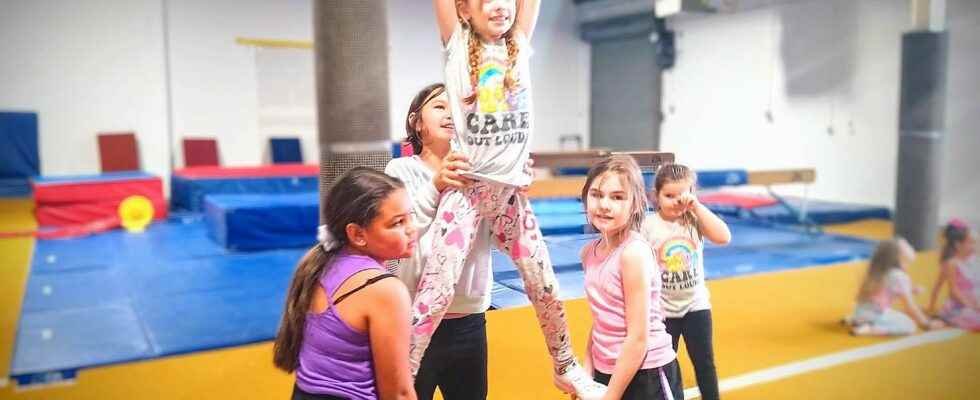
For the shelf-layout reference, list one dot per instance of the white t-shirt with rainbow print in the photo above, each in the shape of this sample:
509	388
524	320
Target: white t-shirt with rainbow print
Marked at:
680	254
494	131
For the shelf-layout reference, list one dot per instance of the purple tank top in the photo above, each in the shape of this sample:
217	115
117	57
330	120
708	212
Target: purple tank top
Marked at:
335	359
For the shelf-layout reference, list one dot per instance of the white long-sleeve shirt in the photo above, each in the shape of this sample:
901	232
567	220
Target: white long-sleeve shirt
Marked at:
473	286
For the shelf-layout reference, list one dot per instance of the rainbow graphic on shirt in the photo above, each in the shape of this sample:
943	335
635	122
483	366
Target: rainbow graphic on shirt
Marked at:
677	254
492	96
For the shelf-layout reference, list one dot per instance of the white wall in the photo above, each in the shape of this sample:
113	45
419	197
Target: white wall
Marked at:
961	187
214	79
818	66
84	70
99	65
559	67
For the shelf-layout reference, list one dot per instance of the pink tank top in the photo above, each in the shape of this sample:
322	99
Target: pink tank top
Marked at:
961	279
604	290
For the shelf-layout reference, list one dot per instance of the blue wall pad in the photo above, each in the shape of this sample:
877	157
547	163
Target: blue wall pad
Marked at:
820	212
188	194
254	222
286	150
15	187
18	145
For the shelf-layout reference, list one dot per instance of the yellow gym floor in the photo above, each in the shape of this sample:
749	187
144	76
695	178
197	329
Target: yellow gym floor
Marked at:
761	322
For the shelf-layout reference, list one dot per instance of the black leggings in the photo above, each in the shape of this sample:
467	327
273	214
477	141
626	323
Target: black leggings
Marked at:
695	327
299	394
648	385
456	360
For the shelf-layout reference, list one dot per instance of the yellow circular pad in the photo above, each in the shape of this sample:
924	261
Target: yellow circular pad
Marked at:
135	213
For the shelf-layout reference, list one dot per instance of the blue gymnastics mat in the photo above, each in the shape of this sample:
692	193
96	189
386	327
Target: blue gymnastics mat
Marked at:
820	212
118	297
755	248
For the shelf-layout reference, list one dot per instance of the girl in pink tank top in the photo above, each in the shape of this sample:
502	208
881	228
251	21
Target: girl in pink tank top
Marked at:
958	268
629	348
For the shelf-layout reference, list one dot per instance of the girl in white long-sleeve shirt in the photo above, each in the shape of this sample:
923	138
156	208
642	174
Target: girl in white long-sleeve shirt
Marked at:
456	361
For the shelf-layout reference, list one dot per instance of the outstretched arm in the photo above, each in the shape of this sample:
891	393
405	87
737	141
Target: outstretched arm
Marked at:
527	16
445	17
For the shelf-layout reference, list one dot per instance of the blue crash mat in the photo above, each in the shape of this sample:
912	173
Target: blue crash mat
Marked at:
263	221
820	212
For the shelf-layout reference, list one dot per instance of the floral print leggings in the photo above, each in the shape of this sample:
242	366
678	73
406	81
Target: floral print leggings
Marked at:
516	233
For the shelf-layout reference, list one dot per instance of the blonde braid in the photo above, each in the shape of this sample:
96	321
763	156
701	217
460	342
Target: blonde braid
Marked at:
512	50
475	50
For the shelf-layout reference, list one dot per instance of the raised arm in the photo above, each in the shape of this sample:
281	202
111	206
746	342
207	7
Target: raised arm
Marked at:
527	16
710	225
446	18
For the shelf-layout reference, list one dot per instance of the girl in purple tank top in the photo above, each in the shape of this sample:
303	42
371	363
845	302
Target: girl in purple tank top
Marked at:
345	328
629	347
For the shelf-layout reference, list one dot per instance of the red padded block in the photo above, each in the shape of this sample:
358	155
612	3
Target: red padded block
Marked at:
65	215
118	152
200	152
87	191
742	200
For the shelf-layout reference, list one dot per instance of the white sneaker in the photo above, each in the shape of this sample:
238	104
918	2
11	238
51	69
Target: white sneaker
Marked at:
585	388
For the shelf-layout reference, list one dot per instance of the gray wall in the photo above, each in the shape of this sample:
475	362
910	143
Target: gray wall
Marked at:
625	95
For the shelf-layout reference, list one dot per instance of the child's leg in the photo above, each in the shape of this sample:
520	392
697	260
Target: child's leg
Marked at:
465	373
672	375
889	323
697	336
453	232
516	232
964	318
673	327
